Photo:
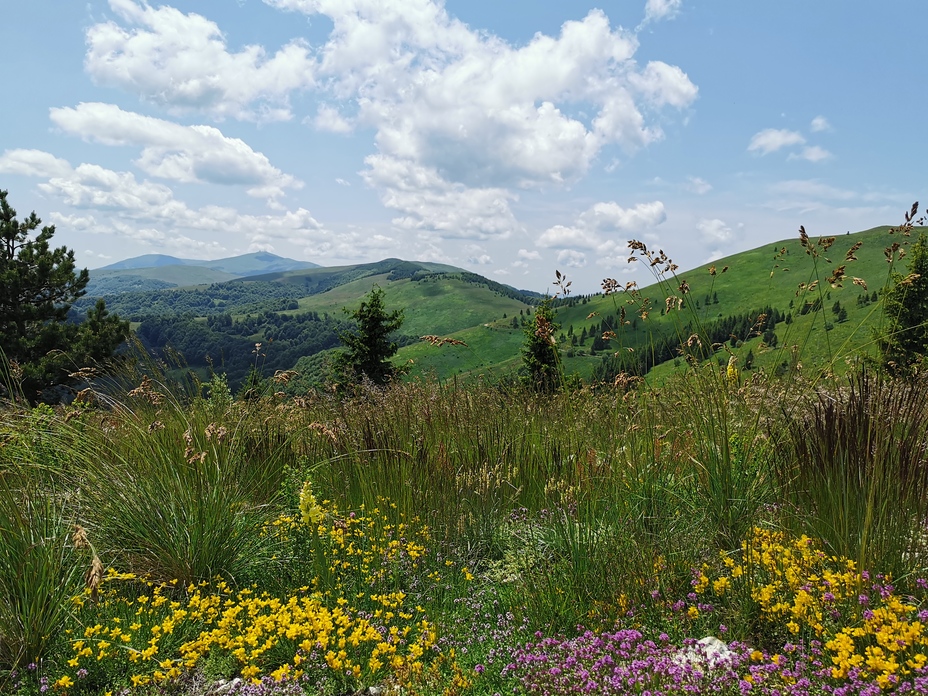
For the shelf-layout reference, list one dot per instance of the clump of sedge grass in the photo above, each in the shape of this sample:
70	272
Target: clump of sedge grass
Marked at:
854	468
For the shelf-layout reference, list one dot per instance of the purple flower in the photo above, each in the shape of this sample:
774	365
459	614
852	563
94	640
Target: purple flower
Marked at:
479	669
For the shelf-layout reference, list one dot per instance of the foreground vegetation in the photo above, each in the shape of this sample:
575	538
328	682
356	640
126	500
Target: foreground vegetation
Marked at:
470	539
721	529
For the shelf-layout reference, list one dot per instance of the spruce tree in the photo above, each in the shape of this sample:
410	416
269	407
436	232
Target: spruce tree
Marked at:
541	359
368	349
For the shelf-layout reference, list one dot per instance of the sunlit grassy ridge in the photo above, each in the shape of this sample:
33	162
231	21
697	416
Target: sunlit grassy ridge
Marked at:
441	300
777	276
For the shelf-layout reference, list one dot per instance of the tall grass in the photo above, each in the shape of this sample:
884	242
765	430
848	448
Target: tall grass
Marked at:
854	469
39	568
183	492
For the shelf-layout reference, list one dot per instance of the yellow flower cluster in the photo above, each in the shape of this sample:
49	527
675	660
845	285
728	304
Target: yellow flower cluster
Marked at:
863	624
259	631
353	617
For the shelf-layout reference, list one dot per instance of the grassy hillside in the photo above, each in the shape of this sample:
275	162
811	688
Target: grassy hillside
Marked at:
436	304
177	275
805	305
781	276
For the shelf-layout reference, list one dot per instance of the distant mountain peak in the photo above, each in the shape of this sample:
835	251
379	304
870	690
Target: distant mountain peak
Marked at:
244	265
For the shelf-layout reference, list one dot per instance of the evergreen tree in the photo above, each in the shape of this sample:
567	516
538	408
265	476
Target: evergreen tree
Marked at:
540	356
38	285
905	341
369	348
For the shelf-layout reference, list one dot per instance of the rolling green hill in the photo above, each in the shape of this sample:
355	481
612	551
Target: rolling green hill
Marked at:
781	277
715	308
770	307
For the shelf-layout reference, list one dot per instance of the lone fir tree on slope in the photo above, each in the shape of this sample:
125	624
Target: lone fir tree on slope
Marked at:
368	349
541	359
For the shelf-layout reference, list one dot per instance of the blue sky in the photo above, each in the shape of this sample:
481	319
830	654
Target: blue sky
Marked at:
510	138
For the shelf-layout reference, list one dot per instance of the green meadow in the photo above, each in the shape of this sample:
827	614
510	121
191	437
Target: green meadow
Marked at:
717	523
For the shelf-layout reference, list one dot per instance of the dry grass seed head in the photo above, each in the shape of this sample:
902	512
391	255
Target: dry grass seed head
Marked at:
146	390
544	329
439	341
284	376
79	538
93	577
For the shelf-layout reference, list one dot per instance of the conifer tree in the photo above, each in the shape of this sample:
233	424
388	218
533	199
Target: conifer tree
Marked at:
541	359
904	344
38	285
368	349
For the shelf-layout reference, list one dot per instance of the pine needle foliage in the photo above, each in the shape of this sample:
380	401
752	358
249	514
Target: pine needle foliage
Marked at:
540	356
368	349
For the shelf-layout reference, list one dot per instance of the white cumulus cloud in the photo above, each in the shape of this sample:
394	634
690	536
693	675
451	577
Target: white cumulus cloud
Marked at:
657	10
172	151
149	213
33	163
714	230
181	61
330	120
813	153
571	258
475	116
697	185
819	124
603	230
772	139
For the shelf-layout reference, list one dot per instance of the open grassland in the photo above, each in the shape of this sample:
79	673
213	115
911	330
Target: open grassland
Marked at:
750	516
441	304
445	539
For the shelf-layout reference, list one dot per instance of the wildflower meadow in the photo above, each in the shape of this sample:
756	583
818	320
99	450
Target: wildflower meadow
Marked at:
717	531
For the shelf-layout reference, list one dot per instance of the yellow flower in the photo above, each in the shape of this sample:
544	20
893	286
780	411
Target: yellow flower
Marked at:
64	683
309	508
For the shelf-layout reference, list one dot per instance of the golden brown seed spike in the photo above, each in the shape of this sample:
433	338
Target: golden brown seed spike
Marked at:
724	268
93	577
861	282
803	237
712	270
79	538
849	256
